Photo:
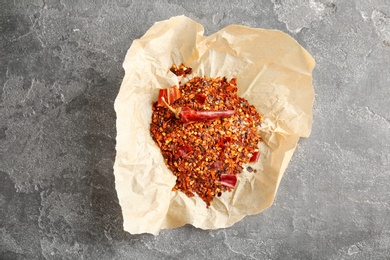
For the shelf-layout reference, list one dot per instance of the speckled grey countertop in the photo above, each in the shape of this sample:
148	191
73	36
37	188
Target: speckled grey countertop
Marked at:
60	71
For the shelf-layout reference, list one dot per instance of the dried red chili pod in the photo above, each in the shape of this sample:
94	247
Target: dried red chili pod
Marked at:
187	115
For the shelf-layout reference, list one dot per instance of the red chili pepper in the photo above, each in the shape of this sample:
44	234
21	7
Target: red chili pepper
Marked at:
169	95
187	115
229	180
255	157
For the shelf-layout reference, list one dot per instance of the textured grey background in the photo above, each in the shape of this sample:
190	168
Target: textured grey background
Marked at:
60	71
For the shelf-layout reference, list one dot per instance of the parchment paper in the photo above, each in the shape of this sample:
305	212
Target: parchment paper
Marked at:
273	72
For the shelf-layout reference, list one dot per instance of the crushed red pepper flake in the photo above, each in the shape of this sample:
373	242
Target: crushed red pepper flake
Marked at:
182	70
206	155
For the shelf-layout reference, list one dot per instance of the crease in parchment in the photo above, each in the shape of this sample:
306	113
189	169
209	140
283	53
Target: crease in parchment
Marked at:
255	80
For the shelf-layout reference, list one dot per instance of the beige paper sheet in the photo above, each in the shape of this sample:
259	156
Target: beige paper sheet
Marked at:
273	72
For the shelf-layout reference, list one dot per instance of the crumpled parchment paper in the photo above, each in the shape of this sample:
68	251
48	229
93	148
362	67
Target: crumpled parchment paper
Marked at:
273	73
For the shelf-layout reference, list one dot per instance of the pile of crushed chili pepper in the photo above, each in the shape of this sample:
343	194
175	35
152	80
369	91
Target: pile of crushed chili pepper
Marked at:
206	132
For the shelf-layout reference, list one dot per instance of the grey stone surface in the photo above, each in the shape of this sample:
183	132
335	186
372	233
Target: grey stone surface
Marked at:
60	71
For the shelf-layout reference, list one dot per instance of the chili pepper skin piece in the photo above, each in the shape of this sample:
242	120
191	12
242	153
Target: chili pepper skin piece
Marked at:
229	180
200	98
170	95
187	115
255	157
